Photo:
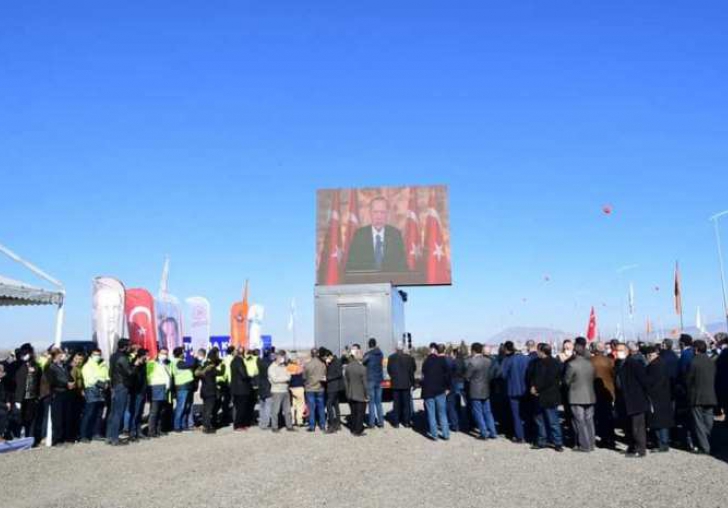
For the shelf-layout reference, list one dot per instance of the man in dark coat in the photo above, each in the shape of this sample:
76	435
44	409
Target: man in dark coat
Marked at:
374	362
355	378
435	384
669	360
479	373
334	387
659	391
513	370
604	391
377	247
241	390
401	368
632	384
545	381
721	373
700	382
120	374
26	396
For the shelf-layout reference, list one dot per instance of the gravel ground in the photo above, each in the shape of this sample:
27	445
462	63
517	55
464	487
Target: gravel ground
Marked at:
389	467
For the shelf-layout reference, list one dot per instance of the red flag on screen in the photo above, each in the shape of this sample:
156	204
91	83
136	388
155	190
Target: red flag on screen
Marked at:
436	263
332	253
412	235
140	320
678	293
591	332
352	222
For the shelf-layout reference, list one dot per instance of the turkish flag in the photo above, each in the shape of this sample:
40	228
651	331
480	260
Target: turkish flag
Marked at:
239	321
332	253
352	221
412	235
437	266
591	332
139	311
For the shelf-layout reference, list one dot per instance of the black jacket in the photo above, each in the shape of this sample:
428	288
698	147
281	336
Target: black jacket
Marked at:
263	382
660	393
58	378
401	368
334	376
240	383
545	377
701	382
632	384
208	374
670	361
21	379
361	253
435	376
120	370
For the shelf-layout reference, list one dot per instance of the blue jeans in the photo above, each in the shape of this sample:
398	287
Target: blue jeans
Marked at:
455	404
119	399
181	417
663	438
315	403
548	425
264	410
91	420
437	411
516	403
376	412
135	411
483	417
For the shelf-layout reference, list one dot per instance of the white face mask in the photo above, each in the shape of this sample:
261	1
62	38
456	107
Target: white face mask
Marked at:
25	358
162	358
96	358
621	355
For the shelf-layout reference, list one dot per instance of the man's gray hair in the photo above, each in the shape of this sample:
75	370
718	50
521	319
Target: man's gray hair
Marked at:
633	347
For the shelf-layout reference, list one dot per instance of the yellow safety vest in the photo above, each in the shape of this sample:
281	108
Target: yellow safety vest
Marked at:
181	376
251	365
93	372
158	374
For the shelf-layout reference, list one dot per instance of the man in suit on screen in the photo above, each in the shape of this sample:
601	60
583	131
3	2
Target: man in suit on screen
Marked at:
377	247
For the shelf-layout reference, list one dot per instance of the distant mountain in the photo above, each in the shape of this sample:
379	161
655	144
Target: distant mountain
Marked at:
521	334
712	328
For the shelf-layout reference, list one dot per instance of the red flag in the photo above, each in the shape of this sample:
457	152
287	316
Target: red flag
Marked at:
436	260
352	222
332	253
140	320
591	332
412	235
239	321
678	293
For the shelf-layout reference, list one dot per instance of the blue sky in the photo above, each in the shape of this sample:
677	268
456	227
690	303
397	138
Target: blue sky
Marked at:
131	130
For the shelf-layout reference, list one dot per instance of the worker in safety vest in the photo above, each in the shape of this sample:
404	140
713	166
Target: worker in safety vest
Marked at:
184	380
224	409
95	375
159	379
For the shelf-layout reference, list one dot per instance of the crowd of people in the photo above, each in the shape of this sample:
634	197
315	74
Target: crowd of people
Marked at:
578	397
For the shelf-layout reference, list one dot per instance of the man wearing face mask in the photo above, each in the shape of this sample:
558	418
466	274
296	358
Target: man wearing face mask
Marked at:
633	386
95	381
27	392
159	379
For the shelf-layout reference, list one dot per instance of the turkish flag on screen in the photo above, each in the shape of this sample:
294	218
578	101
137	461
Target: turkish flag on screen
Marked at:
591	332
436	262
352	221
332	253
412	236
139	310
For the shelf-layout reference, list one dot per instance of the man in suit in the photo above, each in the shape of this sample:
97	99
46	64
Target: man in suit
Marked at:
377	247
579	378
545	381
479	373
700	382
604	391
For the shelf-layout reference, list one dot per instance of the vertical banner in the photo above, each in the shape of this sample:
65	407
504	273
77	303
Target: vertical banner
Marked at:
199	319
169	322
255	323
108	313
239	321
140	321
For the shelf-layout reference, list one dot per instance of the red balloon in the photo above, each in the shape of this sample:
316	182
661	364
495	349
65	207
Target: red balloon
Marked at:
607	209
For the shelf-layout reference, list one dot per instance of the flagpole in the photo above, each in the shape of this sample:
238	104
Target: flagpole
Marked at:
715	218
